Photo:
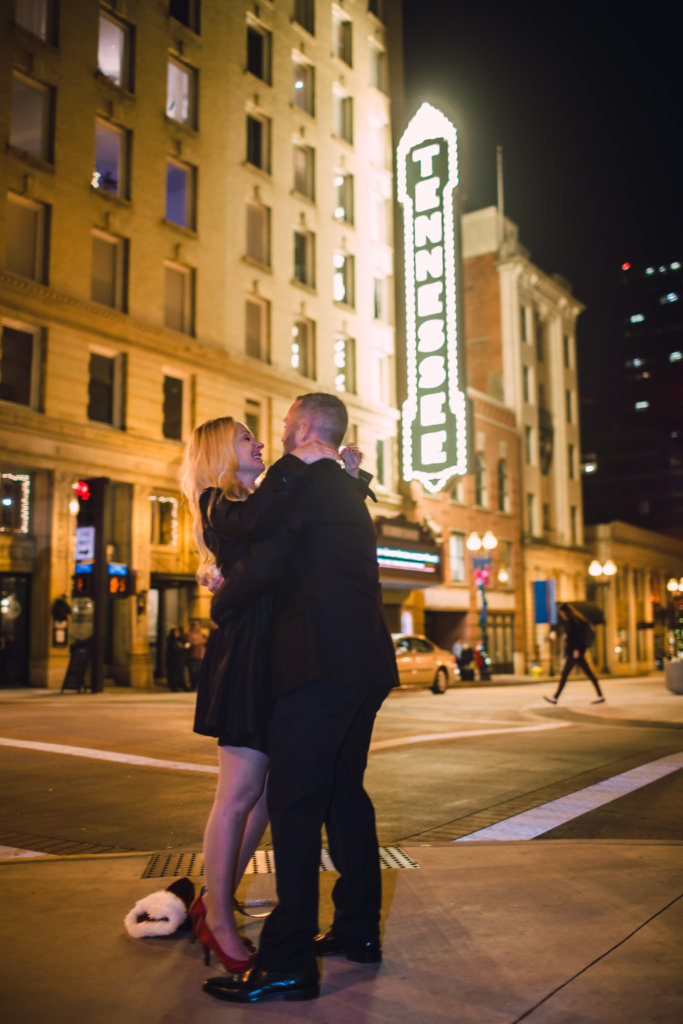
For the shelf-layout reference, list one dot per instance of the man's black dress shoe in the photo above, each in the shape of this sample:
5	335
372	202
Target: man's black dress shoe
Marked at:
329	944
257	985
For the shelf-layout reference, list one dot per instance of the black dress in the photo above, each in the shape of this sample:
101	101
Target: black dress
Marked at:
233	693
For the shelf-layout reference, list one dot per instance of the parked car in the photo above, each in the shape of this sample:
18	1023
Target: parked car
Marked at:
421	662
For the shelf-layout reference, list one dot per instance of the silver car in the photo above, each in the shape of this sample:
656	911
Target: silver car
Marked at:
420	662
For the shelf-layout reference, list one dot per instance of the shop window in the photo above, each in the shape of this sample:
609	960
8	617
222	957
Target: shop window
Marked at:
180	93
258	233
172	426
163	520
30	118
114	51
302	353
20	366
15	502
108	270
111	157
26	237
259	50
257	326
179	298
258	142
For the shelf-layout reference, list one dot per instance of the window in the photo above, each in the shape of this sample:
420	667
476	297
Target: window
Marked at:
259	50
343	280
15	502
380	298
304	14
26	237
258	233
108	270
180	194
304	170
378	68
257	325
503	486
304	258
528	446
546	516
113	52
20	366
36	16
505	562
379	222
302	358
381	447
526	383
252	417
345	364
574	524
480	480
568	405
180	93
303	85
455	492
531	513
258	142
186	12
163	520
343	196
110	160
523	323
106	389
566	351
571	461
341	37
376	7
173	408
456	556
541	397
178	298
30	118
342	116
540	342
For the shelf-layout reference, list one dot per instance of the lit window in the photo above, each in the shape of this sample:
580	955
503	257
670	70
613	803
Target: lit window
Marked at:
107	274
258	233
637	318
304	257
675	357
343	196
259	52
26	243
258	142
642	405
20	366
378	68
180	194
341	36
670	297
30	118
304	14
343	282
302	351
342	116
35	16
345	365
180	103
163	520
178	298
172	426
257	318
15	502
113	51
302	85
304	170
110	160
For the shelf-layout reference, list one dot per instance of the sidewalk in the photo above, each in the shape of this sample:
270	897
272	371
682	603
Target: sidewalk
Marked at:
547	931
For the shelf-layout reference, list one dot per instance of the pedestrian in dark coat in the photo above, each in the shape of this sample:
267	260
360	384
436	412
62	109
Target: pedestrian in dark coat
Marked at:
579	636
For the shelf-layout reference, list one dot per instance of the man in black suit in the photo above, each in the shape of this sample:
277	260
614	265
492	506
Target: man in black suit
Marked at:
333	664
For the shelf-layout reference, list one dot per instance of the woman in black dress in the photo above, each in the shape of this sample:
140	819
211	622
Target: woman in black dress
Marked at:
222	464
579	636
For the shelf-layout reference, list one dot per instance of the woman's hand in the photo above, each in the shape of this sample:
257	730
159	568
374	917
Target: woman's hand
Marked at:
313	451
351	457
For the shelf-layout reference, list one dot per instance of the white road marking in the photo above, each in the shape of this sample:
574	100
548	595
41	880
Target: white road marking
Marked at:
14	853
110	755
463	734
537	821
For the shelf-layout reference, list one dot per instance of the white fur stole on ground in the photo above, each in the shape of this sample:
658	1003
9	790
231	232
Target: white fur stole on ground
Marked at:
160	913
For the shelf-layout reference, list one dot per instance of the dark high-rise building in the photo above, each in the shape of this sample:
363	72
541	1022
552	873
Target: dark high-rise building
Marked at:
635	472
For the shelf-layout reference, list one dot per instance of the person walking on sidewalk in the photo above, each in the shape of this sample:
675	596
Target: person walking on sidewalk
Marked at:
579	635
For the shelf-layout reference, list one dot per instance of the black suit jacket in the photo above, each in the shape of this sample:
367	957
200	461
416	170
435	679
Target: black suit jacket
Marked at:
321	564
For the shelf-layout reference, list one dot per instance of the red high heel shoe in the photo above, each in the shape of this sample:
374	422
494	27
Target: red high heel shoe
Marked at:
197	912
209	942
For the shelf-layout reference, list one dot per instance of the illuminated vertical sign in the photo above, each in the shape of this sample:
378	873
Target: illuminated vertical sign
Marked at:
435	410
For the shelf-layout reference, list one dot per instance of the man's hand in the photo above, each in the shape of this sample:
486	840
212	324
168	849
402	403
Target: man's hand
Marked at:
351	457
313	451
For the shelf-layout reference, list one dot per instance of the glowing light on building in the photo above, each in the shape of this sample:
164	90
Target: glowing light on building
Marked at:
24	480
435	410
416	561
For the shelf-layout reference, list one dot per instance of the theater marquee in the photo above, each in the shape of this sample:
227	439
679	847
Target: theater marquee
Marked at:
435	410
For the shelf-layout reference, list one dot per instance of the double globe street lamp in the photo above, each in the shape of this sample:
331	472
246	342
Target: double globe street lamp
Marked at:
481	565
603	573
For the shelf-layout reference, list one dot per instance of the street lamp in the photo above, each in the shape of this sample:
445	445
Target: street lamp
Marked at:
481	566
602	573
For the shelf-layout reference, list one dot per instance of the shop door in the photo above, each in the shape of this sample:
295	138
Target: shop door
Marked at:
15	591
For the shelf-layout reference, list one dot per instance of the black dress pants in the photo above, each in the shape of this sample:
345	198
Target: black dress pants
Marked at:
318	745
570	662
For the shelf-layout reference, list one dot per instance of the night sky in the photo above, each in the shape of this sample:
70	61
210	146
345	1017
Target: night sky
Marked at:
584	100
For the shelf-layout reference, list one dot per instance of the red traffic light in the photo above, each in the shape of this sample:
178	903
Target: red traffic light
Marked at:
82	490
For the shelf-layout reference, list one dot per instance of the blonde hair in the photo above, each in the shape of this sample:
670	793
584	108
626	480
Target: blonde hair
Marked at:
210	461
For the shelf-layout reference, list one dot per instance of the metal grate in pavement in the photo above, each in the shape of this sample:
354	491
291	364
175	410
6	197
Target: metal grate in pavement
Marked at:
172	865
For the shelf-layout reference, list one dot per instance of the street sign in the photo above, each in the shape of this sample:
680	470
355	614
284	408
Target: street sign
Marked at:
85	543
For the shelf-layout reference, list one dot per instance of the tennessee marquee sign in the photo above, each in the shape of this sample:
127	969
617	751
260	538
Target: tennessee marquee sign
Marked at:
435	410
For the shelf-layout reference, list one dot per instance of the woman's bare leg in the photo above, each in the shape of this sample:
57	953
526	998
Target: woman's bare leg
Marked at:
241	776
253	832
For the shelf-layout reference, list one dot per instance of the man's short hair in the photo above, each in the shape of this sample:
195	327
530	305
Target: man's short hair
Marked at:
327	415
